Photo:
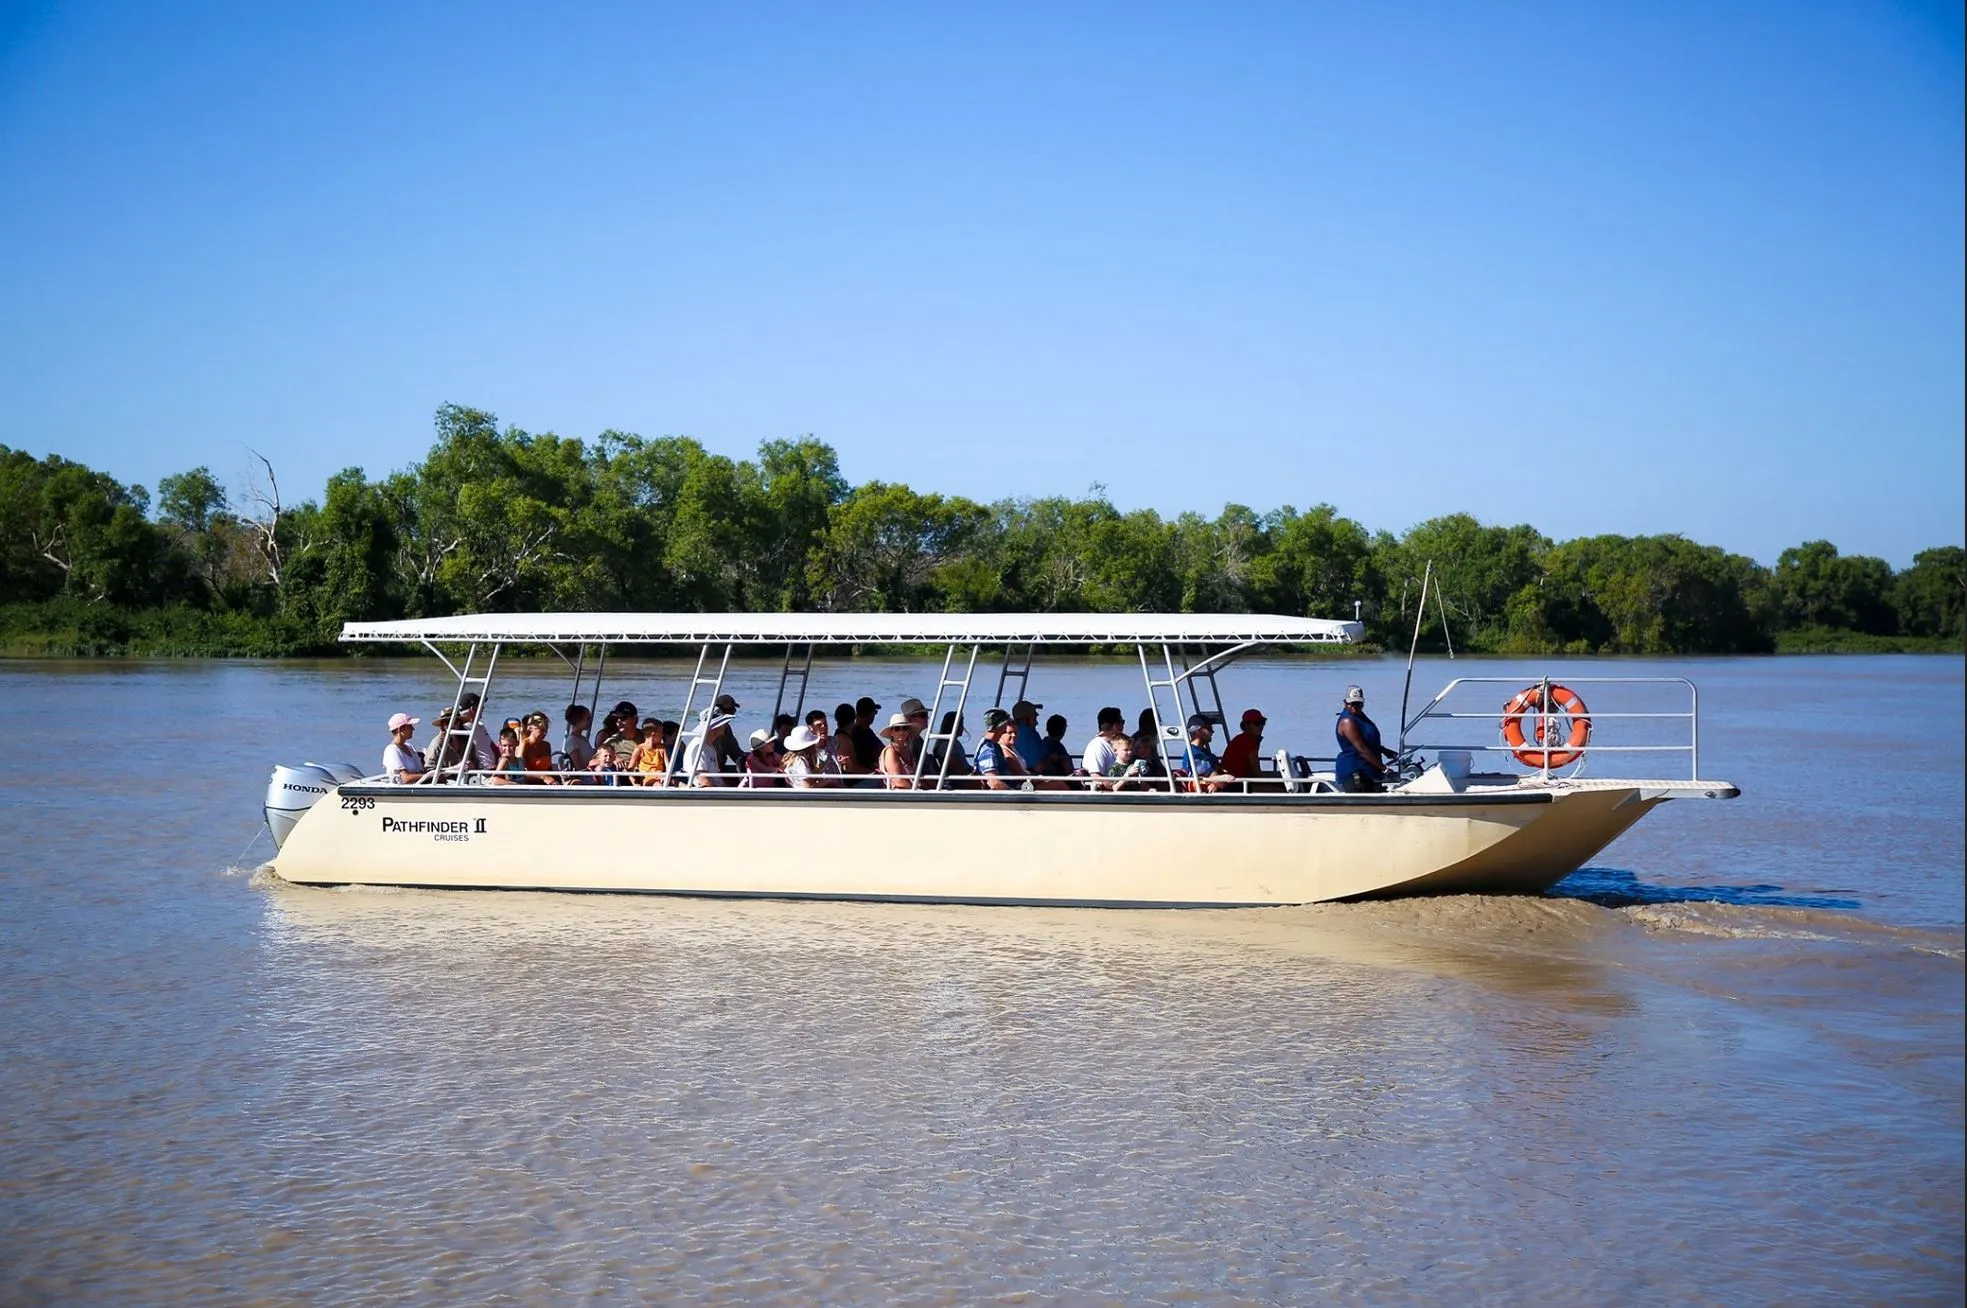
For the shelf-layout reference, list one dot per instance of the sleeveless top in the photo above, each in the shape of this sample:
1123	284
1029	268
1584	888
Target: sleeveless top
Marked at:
1350	760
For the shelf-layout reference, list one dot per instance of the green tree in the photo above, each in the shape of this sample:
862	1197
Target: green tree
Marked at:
1931	595
886	545
1481	570
1317	566
1816	587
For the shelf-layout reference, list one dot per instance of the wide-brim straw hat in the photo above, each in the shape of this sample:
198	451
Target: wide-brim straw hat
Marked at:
799	738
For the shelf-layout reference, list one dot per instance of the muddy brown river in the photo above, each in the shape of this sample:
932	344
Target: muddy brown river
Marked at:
1722	1064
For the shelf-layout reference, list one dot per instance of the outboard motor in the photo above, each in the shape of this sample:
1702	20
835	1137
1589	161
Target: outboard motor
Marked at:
291	791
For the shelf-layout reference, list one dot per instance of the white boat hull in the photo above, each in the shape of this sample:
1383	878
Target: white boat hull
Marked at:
966	847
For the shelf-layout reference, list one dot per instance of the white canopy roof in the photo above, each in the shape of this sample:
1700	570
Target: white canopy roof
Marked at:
865	628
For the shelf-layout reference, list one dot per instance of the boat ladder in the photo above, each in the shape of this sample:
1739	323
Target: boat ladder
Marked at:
935	734
686	731
1171	729
454	729
803	673
1013	670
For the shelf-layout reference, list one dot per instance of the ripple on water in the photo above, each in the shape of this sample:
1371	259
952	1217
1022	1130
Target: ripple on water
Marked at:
457	1095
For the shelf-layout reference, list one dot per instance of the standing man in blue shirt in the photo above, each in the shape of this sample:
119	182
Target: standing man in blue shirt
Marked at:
1358	769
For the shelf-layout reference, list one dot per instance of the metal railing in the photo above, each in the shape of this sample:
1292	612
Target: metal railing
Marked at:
1542	726
1269	783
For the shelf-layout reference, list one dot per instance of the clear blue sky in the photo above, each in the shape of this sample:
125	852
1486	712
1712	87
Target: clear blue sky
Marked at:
1601	268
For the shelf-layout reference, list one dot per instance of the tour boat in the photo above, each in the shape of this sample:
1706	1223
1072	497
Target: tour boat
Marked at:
1519	823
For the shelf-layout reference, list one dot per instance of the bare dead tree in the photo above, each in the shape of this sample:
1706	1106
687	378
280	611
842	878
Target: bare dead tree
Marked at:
263	503
524	554
53	547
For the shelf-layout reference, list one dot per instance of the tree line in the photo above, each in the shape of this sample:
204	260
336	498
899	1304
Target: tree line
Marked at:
500	519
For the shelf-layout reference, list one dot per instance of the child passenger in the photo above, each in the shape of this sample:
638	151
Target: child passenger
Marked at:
509	770
650	761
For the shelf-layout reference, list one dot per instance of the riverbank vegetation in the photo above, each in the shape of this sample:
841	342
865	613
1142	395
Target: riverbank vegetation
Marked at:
505	520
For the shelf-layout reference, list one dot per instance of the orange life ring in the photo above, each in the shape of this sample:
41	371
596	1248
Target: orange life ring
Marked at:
1530	704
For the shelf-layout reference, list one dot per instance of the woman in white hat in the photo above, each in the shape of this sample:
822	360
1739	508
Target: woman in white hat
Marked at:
401	762
761	761
803	770
700	755
897	761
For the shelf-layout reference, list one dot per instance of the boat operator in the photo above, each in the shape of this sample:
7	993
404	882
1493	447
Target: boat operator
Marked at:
1358	769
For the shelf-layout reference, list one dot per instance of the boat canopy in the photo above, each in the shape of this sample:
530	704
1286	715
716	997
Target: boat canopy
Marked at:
867	628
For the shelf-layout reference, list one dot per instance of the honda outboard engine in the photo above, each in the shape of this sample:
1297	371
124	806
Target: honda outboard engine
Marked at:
291	791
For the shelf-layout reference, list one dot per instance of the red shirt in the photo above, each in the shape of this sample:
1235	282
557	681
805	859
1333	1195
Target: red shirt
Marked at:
1240	758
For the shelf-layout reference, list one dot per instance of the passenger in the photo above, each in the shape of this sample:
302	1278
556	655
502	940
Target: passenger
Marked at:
959	775
917	714
867	745
730	754
401	762
998	764
479	752
507	769
1029	744
1207	768
842	744
534	751
444	749
1147	744
824	764
1358	769
1058	760
1125	772
897	770
622	740
802	756
650	762
701	754
1240	758
602	769
782	726
1097	757
670	728
763	768
580	749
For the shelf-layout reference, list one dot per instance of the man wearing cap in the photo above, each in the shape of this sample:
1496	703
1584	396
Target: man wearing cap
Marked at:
400	762
1030	742
1204	767
1358	768
867	745
1240	758
997	762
